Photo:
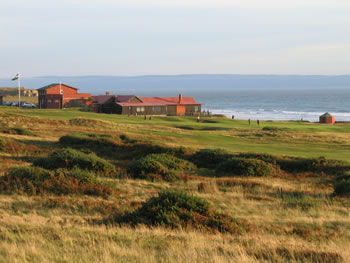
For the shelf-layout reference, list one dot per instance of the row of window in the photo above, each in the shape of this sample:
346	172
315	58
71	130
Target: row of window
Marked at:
159	109
55	101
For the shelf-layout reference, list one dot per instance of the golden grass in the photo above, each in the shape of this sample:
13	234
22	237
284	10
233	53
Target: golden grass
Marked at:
66	229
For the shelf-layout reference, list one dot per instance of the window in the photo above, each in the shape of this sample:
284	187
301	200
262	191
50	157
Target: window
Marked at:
196	109
156	108
49	101
140	109
56	101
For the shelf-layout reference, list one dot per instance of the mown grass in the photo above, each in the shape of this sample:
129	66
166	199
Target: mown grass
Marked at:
309	139
288	216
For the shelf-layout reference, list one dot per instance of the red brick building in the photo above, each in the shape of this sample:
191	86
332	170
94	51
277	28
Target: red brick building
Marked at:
133	105
327	118
56	96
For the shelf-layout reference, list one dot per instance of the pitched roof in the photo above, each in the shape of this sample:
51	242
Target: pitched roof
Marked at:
169	100
124	98
101	99
327	115
161	101
55	84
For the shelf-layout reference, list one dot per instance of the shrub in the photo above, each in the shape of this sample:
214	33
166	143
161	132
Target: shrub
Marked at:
209	158
86	109
164	165
13	147
342	186
34	180
311	165
89	140
179	209
263	157
65	184
69	158
17	130
34	174
82	176
245	167
2	144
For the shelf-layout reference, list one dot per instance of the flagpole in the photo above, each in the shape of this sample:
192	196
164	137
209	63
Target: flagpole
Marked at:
19	90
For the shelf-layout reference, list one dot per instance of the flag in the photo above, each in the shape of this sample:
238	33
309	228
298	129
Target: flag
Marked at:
15	77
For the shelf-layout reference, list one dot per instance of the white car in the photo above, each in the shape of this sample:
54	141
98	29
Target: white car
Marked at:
28	105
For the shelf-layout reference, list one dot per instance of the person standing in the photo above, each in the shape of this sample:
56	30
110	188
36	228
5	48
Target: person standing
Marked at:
249	121
258	122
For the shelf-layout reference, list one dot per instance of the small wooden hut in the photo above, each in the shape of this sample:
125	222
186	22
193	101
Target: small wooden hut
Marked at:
327	118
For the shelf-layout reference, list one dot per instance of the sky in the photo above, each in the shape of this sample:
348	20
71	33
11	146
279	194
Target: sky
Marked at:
164	37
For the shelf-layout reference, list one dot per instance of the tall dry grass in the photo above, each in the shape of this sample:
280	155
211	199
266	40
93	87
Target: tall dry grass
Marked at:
293	218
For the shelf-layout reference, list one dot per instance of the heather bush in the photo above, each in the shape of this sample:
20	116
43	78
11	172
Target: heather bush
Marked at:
268	158
34	180
82	176
245	167
342	185
121	147
17	130
160	166
178	209
34	174
70	158
89	140
311	165
209	158
2	144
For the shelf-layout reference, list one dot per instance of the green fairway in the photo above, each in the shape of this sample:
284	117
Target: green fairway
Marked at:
292	138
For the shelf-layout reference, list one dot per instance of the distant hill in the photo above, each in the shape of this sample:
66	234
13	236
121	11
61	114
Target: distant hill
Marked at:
164	85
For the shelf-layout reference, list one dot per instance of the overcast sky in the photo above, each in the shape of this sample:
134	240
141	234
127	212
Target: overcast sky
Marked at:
140	37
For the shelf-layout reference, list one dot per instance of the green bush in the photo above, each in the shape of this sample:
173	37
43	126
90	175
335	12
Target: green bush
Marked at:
342	185
245	167
259	156
311	165
2	144
89	140
82	176
70	158
86	109
35	180
166	166
178	209
17	130
34	174
209	158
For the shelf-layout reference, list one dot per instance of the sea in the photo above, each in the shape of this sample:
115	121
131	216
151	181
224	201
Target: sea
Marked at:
271	103
255	97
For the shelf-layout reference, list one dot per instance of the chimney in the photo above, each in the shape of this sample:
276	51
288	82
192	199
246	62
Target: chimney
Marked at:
180	98
107	93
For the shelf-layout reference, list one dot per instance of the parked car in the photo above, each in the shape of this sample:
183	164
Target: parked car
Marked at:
28	105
